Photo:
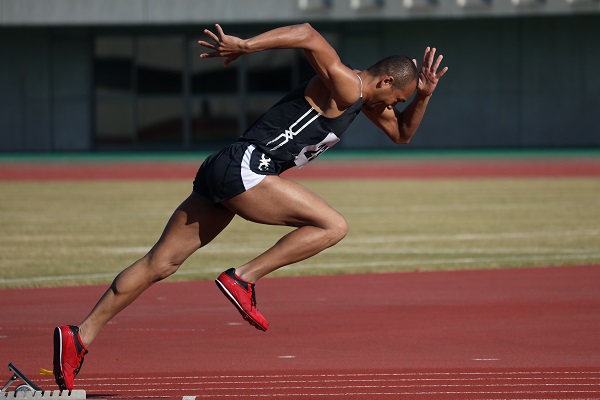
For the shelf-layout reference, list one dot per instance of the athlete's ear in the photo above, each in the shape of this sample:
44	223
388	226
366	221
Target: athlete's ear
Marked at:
385	82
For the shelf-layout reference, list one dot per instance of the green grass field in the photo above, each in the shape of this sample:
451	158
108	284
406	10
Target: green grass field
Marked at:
75	233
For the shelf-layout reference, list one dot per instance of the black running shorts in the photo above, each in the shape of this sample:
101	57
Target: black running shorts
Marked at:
232	171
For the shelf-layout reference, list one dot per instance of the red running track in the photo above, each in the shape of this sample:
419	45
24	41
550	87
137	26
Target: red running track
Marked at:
376	168
497	334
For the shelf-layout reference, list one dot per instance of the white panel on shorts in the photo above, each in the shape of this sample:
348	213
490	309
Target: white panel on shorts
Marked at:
249	177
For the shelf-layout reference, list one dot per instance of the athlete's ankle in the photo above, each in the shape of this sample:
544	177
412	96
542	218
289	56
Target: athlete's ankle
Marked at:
243	276
85	340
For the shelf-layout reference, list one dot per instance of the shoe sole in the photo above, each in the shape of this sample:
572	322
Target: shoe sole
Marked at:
58	345
238	306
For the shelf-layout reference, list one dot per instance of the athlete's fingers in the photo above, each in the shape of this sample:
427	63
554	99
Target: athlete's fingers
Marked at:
206	44
220	31
437	63
425	56
431	58
210	55
211	35
442	72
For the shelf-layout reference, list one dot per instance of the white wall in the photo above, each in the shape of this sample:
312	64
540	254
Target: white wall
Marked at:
102	12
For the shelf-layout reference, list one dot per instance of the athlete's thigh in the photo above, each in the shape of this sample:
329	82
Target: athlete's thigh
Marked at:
280	201
195	223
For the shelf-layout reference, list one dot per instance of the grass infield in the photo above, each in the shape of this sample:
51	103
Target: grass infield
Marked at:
75	233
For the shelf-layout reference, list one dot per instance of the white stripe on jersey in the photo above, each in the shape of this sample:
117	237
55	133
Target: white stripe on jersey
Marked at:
289	133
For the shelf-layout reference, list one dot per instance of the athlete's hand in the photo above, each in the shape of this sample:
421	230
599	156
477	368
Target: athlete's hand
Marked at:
428	76
229	47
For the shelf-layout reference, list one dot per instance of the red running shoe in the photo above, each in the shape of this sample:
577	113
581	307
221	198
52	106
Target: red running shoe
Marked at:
242	296
68	355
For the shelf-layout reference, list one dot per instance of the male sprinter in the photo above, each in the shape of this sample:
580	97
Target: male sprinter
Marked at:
243	178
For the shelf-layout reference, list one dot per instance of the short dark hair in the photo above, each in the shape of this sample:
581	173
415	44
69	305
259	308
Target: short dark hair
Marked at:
401	68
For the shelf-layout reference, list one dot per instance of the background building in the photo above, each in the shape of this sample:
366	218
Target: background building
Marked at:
79	75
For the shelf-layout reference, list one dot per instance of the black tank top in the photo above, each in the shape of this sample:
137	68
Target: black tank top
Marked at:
293	133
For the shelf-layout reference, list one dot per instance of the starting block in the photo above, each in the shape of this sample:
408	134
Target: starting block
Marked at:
29	390
46	394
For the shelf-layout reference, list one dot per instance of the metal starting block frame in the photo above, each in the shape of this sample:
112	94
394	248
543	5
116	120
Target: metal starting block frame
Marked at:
45	394
29	390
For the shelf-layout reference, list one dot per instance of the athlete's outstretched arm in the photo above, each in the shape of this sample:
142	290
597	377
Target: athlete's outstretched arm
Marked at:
339	79
400	126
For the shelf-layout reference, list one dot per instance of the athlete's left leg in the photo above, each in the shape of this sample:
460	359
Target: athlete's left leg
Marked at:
279	201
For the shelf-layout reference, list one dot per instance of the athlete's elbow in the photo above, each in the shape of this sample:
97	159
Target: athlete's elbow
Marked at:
404	136
402	140
399	138
307	27
307	33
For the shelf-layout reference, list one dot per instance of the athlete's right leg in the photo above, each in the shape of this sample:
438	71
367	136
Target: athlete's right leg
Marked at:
194	224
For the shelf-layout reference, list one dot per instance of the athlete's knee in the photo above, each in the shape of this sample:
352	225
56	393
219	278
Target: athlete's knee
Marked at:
337	229
161	266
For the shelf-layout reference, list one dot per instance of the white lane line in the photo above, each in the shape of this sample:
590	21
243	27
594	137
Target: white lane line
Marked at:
541	259
425	262
347	249
353	382
58	278
391	239
537	381
509	374
373	394
444	251
471	236
515	384
403	391
451	207
343	249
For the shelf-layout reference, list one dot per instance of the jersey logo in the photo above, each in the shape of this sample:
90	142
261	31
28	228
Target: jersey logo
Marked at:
290	134
264	163
312	154
309	153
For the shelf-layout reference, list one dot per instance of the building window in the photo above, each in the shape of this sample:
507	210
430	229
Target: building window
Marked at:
114	66
215	119
215	104
160	121
115	122
114	91
271	71
159	66
155	92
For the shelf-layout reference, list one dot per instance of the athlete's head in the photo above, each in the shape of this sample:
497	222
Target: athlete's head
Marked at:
395	80
401	68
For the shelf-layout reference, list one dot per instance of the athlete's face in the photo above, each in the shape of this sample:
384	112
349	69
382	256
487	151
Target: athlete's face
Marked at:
400	95
387	96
